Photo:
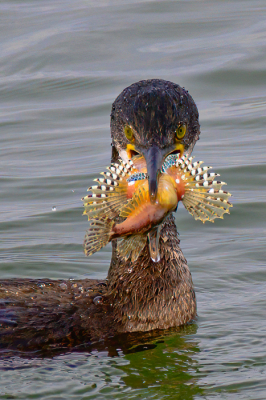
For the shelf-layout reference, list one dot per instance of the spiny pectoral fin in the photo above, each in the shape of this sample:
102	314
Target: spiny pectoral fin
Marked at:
109	195
106	199
98	235
206	203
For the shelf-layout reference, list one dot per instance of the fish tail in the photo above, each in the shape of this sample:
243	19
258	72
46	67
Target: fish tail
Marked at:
98	235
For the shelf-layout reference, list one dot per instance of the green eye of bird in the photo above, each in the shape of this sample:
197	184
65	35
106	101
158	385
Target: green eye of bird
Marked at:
129	133
181	131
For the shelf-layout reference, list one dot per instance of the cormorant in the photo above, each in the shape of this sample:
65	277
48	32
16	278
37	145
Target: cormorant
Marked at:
153	118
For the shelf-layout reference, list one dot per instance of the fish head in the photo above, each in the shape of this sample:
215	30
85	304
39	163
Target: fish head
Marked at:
153	118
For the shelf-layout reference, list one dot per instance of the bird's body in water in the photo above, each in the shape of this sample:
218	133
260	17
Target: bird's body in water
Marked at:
153	119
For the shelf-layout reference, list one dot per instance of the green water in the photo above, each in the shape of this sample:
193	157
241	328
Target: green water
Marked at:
62	63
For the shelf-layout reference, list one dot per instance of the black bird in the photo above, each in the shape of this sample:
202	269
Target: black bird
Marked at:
154	118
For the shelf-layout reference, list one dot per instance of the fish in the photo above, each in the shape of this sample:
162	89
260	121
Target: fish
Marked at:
119	206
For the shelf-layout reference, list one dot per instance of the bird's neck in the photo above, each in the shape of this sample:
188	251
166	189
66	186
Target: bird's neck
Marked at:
147	295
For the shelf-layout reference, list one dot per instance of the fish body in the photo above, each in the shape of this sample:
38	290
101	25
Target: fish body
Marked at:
140	219
141	215
123	193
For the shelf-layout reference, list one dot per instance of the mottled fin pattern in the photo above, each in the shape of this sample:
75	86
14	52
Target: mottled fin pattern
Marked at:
110	193
204	198
131	246
170	161
139	176
139	199
97	236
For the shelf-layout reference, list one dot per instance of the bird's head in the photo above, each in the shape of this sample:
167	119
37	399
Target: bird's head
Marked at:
153	118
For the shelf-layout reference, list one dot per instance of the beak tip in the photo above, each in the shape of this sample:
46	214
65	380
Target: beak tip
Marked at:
153	190
152	197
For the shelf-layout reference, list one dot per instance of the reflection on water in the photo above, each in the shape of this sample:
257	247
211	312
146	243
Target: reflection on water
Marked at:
168	369
162	363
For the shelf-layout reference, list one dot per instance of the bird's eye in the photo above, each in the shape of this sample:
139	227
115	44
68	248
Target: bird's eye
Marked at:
129	134
181	131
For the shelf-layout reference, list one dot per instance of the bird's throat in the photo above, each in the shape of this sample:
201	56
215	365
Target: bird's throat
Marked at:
150	295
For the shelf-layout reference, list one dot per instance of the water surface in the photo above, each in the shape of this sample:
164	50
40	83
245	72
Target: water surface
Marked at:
62	64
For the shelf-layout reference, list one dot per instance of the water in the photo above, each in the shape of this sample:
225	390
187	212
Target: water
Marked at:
62	64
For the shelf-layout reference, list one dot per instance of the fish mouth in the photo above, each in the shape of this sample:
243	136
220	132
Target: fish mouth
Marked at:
154	157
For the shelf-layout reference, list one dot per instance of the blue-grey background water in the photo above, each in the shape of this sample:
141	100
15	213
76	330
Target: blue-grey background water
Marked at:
62	64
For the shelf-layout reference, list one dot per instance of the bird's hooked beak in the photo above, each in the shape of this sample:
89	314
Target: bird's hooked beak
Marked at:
154	157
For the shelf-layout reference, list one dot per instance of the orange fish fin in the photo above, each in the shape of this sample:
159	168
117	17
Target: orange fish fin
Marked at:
140	198
98	235
131	246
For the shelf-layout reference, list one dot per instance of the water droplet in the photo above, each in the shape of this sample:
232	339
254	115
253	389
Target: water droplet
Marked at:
54	208
63	286
98	300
